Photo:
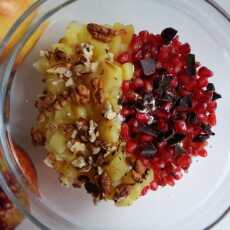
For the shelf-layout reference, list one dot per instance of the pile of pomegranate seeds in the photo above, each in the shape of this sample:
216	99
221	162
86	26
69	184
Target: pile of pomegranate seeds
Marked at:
169	106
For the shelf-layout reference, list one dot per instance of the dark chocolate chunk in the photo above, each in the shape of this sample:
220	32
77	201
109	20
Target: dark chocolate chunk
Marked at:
191	65
176	138
150	131
191	117
167	96
179	149
216	96
184	102
200	138
207	129
148	66
210	87
92	188
148	151
168	34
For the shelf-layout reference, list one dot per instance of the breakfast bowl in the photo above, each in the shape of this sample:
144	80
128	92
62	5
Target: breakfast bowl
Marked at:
200	199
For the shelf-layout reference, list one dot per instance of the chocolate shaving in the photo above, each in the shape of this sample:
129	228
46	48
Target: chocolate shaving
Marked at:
200	138
176	138
184	102
179	149
191	117
148	66
191	65
216	96
210	87
168	34
207	129
150	131
148	151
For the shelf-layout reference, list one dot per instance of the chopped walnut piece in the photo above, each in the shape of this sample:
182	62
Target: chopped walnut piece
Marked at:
108	112
101	33
81	94
62	71
121	192
99	96
93	133
37	137
136	176
45	101
79	162
140	168
95	149
96	83
106	183
77	147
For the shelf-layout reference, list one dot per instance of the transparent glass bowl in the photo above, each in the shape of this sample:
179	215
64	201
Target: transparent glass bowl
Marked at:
200	199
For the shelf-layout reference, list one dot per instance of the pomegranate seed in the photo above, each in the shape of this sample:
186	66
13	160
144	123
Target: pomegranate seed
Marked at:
125	112
125	86
148	87
180	126
170	180
123	57
202	153
178	175
144	35
154	186
136	43
205	72
138	83
142	117
145	190
211	107
212	119
185	49
184	161
138	72
131	146
138	55
125	131
145	138
202	82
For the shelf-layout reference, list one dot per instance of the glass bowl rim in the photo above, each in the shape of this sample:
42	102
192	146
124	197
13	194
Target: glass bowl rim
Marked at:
7	71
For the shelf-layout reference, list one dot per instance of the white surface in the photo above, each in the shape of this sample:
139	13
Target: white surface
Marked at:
225	225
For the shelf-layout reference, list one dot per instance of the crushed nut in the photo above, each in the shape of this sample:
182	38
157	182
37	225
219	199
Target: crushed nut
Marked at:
122	191
93	133
37	137
108	112
60	56
69	82
99	96
61	71
136	176
79	162
106	183
74	134
90	160
81	94
87	51
77	147
100	32
96	83
95	149
82	69
140	168
65	181
100	170
44	53
48	162
45	101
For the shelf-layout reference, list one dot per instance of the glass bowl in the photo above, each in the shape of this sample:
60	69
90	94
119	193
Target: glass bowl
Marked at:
200	199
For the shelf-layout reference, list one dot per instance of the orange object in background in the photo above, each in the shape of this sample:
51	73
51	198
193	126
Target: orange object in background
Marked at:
10	11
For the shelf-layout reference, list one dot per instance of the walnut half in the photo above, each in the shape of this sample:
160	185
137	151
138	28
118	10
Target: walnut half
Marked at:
101	33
